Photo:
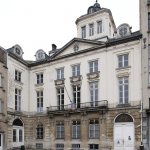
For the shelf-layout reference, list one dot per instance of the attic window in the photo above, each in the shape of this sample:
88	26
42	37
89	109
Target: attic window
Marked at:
18	50
40	55
123	31
76	47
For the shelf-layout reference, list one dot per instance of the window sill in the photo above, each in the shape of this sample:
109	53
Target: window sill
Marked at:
59	82
75	78
93	75
39	84
123	105
123	68
18	82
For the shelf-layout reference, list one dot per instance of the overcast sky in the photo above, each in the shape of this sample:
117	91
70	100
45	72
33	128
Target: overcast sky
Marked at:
36	24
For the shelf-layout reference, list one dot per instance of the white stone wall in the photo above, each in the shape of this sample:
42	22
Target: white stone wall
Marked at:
94	18
12	84
108	81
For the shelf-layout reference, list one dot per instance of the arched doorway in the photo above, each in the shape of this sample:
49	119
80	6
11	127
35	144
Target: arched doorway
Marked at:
124	132
18	133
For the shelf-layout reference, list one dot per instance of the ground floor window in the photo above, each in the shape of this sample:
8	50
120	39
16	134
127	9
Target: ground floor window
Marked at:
93	147
75	147
59	146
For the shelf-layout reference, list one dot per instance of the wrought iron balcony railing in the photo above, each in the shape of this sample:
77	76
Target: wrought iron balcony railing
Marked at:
79	106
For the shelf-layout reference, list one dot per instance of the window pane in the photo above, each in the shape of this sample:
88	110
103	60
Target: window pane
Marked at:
14	135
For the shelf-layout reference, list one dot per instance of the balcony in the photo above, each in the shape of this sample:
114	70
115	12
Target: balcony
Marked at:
78	108
93	75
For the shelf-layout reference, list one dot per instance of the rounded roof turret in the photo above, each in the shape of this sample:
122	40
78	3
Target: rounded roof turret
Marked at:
94	8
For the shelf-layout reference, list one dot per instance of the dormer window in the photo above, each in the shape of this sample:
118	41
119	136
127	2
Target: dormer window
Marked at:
123	30
40	55
17	50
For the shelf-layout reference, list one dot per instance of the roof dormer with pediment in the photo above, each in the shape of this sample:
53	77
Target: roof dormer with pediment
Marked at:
97	24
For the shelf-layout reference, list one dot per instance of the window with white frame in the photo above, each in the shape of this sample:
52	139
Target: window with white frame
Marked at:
76	130
39	78
94	93
17	75
76	70
83	32
123	60
39	101
76	95
59	146
60	98
91	29
94	129
93	66
18	132
93	147
60	130
60	73
123	90
75	147
99	27
17	99
40	131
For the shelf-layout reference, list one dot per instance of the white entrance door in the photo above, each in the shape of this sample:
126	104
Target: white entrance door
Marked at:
1	141
124	136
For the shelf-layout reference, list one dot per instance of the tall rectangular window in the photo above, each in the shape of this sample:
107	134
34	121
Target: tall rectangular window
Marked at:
76	130
99	27
76	95
148	21
1	106
83	31
60	73
91	29
93	147
17	99
75	147
20	135
59	146
123	90
94	93
93	129
17	75
39	101
39	78
60	130
14	135
76	70
149	71
60	98
0	80
123	60
93	66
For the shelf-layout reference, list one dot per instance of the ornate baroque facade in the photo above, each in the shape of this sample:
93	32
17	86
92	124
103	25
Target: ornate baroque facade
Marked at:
83	96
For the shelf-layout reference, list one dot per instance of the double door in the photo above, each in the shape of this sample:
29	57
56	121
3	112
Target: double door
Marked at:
124	136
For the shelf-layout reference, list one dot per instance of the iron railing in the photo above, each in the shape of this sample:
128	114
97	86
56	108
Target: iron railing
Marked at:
78	106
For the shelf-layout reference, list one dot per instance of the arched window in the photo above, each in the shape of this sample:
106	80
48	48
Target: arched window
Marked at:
39	131
18	132
123	118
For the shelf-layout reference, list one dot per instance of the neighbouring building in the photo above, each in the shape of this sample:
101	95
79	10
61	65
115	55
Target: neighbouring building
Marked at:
145	49
3	99
85	95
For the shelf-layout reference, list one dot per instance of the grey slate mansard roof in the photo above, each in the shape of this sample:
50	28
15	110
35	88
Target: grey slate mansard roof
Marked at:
98	45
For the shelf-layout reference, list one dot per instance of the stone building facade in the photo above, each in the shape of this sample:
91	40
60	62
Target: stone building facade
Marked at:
3	99
84	95
145	49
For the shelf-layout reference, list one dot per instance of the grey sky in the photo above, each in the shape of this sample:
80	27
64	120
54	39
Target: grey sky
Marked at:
36	24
